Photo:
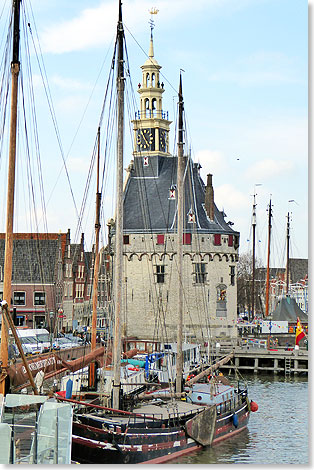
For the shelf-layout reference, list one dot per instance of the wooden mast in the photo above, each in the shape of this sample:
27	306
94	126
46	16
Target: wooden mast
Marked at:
288	255
253	256
118	265
8	254
96	266
180	171
268	261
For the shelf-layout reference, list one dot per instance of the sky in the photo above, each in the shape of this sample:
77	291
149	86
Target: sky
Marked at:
245	87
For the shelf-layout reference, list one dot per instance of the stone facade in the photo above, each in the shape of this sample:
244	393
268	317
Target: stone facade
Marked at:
210	245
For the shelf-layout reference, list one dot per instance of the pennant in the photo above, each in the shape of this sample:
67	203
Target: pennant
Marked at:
299	332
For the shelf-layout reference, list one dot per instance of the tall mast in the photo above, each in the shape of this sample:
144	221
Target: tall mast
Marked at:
268	261
180	171
8	254
253	254
118	272
288	249
96	264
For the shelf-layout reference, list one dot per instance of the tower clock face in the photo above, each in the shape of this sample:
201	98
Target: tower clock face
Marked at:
163	140
145	139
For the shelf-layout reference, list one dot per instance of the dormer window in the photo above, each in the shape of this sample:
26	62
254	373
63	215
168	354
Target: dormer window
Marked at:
172	192
191	217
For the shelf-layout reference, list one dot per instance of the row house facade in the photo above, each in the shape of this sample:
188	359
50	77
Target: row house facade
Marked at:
52	282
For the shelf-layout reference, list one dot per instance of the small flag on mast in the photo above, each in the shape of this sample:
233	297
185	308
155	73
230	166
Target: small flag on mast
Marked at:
299	333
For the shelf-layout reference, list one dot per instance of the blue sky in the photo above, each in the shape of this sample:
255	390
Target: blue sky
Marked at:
245	90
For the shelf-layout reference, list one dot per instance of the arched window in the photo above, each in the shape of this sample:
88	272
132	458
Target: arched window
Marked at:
147	110
153	79
147	80
154	101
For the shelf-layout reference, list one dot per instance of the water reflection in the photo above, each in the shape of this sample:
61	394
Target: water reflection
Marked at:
277	433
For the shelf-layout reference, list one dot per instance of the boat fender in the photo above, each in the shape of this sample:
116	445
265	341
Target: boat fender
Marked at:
235	420
254	406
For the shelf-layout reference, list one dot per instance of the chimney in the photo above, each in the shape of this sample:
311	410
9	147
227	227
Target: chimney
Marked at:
209	197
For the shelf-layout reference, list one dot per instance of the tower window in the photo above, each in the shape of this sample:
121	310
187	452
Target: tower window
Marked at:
160	273
153	79
147	80
126	239
199	273
154	106
232	275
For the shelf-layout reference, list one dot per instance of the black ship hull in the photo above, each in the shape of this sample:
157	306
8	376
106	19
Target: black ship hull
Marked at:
97	440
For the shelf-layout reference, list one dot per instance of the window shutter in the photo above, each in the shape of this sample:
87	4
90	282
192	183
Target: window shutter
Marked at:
187	238
160	239
230	240
217	239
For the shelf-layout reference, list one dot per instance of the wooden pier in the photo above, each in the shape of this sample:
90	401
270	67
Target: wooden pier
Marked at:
275	362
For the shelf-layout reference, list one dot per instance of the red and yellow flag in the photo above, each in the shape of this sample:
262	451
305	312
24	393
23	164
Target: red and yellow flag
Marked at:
299	333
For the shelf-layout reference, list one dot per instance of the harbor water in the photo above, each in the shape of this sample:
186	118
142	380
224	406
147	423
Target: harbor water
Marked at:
278	433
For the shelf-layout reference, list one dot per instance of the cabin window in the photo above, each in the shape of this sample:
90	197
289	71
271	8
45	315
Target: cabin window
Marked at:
39	298
199	273
187	239
160	239
19	298
230	240
232	275
160	273
126	239
217	239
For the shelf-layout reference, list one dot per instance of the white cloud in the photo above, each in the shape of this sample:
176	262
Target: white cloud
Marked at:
228	197
269	168
212	161
97	26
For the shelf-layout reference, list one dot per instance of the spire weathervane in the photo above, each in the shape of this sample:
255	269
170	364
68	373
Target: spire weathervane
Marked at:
152	11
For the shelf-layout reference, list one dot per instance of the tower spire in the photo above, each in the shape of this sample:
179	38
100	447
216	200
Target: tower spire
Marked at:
152	11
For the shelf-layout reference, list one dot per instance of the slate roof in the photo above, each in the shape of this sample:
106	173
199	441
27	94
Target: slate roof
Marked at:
147	207
34	261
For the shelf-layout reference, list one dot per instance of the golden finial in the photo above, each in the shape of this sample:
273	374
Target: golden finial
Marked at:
153	11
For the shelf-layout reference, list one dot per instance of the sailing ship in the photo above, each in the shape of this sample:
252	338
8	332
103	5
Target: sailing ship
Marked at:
18	371
174	422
